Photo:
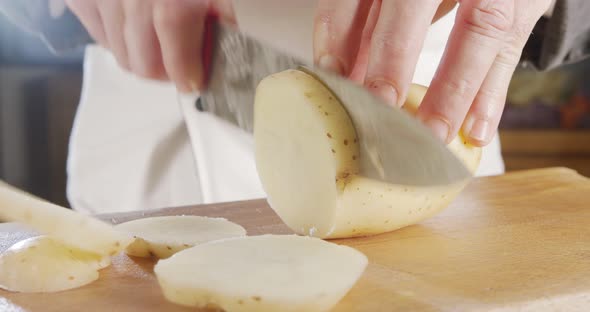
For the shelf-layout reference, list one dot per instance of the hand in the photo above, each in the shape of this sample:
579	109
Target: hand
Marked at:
157	39
378	43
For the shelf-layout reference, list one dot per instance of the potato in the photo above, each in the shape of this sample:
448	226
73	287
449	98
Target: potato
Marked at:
42	264
261	273
307	157
161	237
68	226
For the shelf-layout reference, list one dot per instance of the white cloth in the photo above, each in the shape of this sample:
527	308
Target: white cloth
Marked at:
133	147
129	148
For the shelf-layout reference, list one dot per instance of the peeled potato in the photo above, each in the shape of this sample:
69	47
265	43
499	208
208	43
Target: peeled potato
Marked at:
68	226
307	157
161	237
261	273
42	264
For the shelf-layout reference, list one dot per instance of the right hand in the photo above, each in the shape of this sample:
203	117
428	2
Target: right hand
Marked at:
378	43
156	39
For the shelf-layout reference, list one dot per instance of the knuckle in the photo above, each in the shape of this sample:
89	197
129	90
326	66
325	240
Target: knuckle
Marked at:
461	87
387	40
509	57
521	32
490	18
493	97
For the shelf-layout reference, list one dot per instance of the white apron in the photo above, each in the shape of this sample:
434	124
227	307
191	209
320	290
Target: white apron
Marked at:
133	147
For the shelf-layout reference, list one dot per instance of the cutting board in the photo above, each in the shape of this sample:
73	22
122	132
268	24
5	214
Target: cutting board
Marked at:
515	242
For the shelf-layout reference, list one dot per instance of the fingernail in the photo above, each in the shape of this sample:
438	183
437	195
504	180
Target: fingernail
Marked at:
384	90
183	89
440	128
193	85
187	88
479	130
330	63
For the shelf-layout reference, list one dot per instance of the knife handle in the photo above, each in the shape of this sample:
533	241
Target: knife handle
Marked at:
207	46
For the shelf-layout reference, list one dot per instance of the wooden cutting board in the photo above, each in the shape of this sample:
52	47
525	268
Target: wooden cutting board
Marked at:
510	243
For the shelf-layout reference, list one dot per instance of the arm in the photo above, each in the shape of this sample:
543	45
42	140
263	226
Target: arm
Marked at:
560	37
48	19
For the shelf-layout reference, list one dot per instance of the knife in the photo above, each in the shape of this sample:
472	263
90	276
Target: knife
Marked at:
395	147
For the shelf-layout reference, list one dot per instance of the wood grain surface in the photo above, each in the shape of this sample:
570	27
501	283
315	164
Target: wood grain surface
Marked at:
517	242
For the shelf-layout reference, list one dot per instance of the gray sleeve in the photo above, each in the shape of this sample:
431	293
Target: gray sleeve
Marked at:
61	32
562	39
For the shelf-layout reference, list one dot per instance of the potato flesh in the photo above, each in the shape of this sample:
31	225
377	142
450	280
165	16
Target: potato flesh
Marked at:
261	273
335	203
292	106
42	264
70	227
161	237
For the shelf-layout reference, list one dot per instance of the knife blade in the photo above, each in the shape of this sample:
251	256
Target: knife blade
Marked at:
395	147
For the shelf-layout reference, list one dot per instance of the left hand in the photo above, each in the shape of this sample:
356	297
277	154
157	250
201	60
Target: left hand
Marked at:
155	39
378	43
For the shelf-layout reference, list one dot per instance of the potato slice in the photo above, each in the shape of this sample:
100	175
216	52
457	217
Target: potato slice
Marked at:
42	264
161	237
307	157
68	226
261	273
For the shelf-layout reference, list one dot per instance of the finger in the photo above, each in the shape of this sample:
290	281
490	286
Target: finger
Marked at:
90	18
180	32
338	28
475	41
485	112
395	47
143	47
359	70
481	123
113	17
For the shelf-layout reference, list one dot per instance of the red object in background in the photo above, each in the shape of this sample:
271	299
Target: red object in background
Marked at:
574	110
207	48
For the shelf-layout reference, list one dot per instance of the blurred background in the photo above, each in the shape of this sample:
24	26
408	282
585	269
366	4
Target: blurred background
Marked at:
546	122
39	93
547	119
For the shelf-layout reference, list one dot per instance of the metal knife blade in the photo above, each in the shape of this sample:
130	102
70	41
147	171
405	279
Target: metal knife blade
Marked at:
237	64
395	147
